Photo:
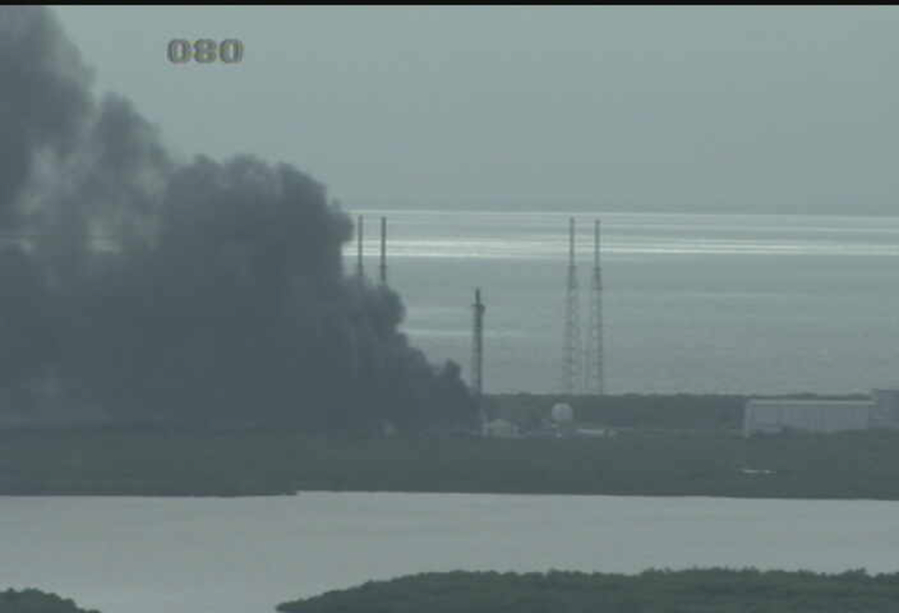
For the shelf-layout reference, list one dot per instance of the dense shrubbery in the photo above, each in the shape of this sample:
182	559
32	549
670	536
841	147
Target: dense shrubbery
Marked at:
691	591
36	601
714	590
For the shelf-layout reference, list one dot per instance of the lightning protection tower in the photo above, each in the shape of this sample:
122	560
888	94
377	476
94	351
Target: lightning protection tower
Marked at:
594	375
571	350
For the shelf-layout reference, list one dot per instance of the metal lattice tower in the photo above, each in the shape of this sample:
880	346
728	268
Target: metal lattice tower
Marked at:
594	375
571	350
477	353
360	270
383	267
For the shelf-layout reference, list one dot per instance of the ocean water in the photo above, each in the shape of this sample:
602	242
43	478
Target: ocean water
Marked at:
697	303
245	555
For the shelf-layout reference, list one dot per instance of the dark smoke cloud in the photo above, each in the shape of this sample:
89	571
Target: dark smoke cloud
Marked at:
200	292
45	98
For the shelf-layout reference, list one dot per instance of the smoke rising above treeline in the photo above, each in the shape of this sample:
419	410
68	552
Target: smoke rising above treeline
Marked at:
145	288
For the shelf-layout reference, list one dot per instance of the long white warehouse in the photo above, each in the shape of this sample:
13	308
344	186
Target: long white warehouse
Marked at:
777	415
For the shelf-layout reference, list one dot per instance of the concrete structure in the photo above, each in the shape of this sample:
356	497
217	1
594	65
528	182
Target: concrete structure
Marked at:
596	432
777	415
500	428
886	408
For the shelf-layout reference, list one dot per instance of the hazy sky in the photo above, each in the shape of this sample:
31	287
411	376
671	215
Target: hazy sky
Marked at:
720	108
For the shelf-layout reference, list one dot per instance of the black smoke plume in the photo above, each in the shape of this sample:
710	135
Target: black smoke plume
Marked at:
206	292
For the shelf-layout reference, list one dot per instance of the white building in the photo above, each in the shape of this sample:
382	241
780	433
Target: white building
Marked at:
596	432
776	415
500	428
886	408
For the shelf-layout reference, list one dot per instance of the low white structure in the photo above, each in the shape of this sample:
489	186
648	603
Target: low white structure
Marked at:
777	415
388	430
815	415
596	432
886	408
500	428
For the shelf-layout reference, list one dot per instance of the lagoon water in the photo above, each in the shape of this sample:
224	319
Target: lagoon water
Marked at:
245	555
693	302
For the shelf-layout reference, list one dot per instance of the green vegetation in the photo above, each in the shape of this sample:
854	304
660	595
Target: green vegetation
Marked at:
36	601
691	591
141	462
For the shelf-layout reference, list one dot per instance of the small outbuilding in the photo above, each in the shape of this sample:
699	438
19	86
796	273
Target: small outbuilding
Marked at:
500	428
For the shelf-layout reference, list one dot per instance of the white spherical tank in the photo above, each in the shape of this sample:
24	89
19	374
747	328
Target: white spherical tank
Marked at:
562	413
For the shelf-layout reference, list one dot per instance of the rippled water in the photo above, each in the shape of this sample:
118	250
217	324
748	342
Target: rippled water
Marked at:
693	302
145	555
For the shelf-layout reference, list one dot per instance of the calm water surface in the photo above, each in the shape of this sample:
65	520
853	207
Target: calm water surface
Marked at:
146	555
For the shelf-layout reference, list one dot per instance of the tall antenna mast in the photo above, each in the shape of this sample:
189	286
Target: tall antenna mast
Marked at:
383	267
360	270
571	350
594	375
477	355
360	279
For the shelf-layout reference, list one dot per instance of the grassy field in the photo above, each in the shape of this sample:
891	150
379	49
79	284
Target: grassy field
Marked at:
135	462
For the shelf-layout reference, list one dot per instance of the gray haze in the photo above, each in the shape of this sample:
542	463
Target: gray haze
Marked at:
722	109
143	287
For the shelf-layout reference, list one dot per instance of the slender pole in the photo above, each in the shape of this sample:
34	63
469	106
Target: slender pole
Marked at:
571	242
477	358
360	271
360	278
383	268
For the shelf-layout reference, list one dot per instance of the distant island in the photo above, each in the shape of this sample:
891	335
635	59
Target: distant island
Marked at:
35	601
654	591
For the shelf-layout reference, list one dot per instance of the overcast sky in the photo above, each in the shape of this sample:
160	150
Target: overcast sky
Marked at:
719	108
